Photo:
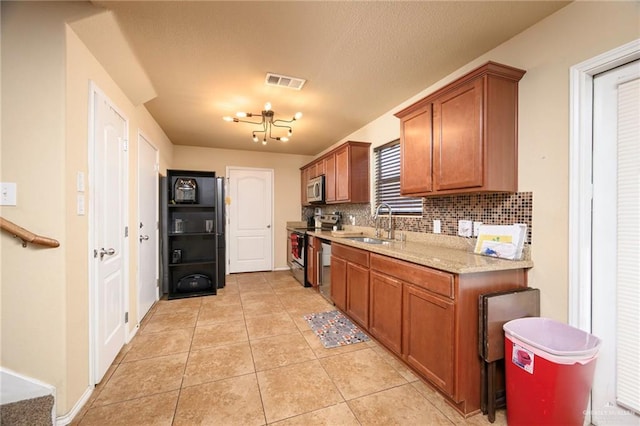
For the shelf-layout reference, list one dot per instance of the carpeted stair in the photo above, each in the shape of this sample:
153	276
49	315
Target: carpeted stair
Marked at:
28	412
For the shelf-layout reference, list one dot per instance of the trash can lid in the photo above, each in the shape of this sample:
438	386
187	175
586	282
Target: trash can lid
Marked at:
553	337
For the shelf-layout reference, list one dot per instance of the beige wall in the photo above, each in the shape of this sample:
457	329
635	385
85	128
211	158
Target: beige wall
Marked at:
546	51
286	169
45	86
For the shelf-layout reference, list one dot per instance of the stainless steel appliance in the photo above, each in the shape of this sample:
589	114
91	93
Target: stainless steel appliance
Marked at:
315	190
297	244
328	222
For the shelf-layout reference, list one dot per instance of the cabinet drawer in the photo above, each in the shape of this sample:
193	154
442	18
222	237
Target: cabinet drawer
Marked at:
430	279
353	255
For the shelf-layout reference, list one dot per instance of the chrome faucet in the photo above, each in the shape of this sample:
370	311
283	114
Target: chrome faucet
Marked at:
377	219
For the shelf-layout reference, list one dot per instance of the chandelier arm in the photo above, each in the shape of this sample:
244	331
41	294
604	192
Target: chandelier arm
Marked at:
284	121
284	127
237	120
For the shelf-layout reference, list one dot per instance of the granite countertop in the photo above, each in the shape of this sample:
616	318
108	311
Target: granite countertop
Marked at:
446	253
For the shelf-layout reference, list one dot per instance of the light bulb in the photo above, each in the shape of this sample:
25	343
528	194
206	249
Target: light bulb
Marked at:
290	132
255	138
227	118
264	142
284	139
267	106
241	114
298	116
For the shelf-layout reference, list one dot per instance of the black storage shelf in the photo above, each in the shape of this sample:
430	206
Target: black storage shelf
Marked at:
196	246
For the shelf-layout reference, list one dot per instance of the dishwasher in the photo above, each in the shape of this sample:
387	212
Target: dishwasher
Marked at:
324	270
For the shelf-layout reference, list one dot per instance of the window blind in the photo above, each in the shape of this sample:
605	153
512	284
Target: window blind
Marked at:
387	172
628	256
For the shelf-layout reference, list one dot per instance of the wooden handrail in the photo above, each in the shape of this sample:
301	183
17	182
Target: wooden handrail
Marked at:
26	236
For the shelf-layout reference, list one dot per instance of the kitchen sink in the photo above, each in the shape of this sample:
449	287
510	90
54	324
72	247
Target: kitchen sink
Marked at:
369	240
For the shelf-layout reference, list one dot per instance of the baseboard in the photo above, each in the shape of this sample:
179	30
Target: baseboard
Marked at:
68	418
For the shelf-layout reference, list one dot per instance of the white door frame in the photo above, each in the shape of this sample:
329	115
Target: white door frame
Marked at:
93	273
580	168
156	230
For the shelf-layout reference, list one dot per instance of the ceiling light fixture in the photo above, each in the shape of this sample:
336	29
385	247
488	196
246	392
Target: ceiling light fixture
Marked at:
267	123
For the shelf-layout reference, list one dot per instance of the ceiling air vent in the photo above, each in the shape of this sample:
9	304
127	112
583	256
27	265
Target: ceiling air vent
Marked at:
284	81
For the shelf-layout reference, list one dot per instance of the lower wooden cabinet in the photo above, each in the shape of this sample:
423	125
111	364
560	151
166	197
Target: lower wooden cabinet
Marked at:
429	318
339	282
358	293
428	336
385	310
350	282
312	263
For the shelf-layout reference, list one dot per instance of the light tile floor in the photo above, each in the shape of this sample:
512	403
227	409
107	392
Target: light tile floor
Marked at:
247	357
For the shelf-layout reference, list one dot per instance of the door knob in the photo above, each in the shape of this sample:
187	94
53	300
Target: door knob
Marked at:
108	252
268	226
144	238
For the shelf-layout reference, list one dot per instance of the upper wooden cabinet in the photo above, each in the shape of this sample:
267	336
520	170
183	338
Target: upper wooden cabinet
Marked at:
330	178
415	152
346	172
464	137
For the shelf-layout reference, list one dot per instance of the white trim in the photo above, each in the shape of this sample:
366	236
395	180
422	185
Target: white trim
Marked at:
580	166
77	407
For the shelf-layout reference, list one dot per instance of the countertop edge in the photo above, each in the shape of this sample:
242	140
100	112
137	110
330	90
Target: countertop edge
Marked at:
448	259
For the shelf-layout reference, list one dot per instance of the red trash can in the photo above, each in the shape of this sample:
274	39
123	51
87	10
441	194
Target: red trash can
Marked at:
549	369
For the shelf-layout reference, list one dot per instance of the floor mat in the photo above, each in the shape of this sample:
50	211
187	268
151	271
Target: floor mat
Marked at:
334	329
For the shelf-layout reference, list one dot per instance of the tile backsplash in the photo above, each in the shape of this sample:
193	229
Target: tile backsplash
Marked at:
490	209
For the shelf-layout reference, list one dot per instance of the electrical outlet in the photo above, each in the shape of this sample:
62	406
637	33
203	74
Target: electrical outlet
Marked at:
465	228
436	226
476	228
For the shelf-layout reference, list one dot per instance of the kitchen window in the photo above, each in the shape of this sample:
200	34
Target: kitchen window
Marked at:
387	171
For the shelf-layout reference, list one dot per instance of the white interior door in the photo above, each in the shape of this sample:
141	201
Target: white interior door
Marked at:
250	219
108	221
615	233
148	291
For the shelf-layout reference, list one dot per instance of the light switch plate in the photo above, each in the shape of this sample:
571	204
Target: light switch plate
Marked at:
437	226
8	194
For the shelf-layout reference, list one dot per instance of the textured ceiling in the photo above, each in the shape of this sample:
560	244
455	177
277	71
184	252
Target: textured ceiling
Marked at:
208	59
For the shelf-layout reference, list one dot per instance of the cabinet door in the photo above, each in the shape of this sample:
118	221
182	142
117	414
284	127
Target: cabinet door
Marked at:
428	336
304	179
385	310
415	152
330	178
342	175
358	293
311	263
339	282
458	138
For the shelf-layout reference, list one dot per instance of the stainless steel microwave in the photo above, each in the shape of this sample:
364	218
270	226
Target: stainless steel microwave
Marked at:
315	190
